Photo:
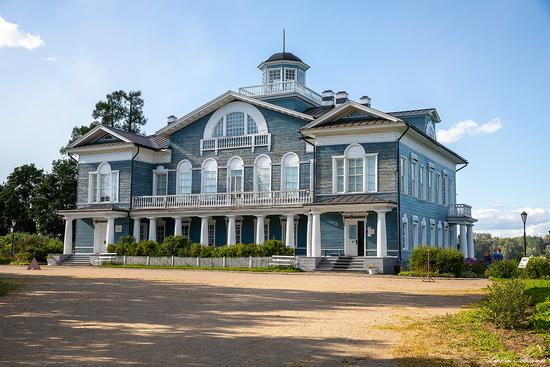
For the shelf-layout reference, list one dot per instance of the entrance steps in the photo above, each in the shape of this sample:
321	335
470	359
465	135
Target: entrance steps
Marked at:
76	260
341	263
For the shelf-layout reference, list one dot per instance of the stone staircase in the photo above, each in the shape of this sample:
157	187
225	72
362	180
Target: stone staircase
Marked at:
341	263
76	260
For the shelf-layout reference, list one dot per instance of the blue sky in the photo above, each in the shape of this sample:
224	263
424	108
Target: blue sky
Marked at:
486	63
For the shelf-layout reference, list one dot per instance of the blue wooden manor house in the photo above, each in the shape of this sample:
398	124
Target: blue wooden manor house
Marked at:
326	175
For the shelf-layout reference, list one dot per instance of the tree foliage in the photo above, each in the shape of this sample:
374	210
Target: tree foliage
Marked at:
512	247
120	109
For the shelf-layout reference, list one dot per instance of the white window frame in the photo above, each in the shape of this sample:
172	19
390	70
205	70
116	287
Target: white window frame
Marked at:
186	227
405	232
437	188
422	182
424	232
345	158
203	175
184	166
446	234
256	172
157	172
95	176
212	232
416	229
234	160
414	177
404	177
432	233
284	167
269	81
430	185
295	74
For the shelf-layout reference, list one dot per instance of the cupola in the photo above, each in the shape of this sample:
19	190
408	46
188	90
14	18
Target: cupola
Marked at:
283	67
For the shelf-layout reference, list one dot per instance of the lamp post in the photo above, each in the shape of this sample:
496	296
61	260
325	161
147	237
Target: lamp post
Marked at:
524	219
13	237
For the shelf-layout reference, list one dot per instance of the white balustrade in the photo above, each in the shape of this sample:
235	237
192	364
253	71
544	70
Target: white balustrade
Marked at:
233	142
212	200
276	88
460	210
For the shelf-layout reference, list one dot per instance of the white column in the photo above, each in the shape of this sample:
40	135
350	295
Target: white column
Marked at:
470	240
381	239
137	225
204	230
463	241
231	239
68	240
308	240
259	229
152	229
316	234
289	238
177	226
110	235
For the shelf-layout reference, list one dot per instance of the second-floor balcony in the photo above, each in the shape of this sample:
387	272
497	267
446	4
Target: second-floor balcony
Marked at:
460	210
279	88
233	142
231	199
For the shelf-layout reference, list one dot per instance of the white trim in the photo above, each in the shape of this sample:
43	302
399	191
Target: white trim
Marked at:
220	101
349	154
405	234
97	174
202	173
93	131
179	170
246	108
256	173
283	167
228	174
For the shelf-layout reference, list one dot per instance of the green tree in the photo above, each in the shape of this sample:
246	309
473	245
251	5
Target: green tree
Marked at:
57	191
112	110
79	131
135	118
18	194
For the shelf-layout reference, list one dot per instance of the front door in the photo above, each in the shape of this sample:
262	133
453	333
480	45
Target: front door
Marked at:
100	237
354	237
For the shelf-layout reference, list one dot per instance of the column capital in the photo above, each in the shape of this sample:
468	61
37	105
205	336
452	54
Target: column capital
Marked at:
152	218
176	217
230	215
259	215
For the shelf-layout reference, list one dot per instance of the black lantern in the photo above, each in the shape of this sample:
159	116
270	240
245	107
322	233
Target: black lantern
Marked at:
13	237
524	219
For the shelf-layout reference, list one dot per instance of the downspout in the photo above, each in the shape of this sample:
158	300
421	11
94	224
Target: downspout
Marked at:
399	228
132	181
464	166
314	168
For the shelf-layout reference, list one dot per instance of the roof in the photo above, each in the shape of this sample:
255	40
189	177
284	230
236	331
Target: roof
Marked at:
316	112
425	111
354	123
154	142
279	56
356	199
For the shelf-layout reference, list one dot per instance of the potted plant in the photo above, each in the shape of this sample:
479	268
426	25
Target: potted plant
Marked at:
372	269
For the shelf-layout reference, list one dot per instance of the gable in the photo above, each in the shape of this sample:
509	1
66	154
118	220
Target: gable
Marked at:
106	139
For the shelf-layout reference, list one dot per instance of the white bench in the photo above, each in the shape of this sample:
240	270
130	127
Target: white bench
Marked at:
283	261
105	258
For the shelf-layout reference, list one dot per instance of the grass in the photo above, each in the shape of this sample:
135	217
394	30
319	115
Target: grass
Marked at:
465	339
270	269
9	284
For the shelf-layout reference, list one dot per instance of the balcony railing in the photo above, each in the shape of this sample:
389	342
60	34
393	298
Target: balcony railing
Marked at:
234	142
273	89
460	210
215	200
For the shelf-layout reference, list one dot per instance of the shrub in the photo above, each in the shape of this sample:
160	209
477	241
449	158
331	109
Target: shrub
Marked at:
541	317
502	269
537	268
173	244
476	266
506	304
28	246
442	261
126	246
147	248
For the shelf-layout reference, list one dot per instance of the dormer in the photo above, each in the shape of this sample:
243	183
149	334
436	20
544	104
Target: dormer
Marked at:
284	83
424	120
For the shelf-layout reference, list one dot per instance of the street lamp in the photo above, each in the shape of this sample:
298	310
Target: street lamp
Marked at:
524	219
13	237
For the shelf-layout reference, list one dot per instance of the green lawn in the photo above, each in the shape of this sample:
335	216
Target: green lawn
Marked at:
270	269
466	339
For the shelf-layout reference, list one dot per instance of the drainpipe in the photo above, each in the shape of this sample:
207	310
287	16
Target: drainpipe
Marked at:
132	181
314	168
464	166
399	228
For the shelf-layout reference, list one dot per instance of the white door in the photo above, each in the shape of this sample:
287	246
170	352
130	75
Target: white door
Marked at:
351	237
100	240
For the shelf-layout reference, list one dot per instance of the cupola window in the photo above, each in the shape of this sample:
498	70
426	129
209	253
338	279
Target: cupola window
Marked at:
273	75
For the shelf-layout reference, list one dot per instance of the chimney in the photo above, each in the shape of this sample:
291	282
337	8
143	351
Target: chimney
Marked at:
328	98
171	119
365	100
341	97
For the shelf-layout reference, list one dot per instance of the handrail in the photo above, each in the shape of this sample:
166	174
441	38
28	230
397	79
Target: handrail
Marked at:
284	87
234	142
460	210
232	199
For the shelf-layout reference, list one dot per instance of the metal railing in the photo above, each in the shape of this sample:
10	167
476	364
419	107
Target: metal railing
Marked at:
273	89
213	200
234	142
460	210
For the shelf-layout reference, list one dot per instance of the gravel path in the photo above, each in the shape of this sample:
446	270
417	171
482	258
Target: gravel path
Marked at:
144	317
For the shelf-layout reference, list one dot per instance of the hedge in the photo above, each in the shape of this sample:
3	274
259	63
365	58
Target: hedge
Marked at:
28	246
182	247
442	261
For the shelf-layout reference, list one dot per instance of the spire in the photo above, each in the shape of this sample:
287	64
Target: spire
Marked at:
284	39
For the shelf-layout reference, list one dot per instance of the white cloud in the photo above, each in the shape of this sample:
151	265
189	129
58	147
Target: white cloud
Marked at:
49	58
467	127
505	222
12	36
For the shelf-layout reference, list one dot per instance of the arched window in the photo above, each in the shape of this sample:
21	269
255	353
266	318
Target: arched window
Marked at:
184	177
235	124
355	171
235	175
103	184
210	176
262	174
235	119
405	232
290	172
